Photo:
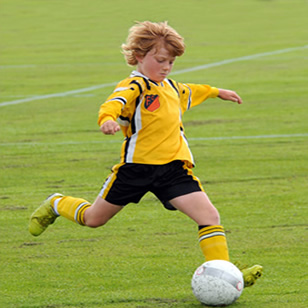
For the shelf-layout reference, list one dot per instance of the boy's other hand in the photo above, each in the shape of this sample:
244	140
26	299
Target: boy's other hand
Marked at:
230	96
110	127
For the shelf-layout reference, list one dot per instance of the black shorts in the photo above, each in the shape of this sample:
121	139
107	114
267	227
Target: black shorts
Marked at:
130	182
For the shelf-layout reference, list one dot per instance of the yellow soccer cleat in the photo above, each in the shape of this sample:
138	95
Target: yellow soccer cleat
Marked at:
251	274
43	216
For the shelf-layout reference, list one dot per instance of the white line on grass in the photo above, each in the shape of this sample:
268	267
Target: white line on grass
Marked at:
39	97
183	71
14	144
249	137
245	58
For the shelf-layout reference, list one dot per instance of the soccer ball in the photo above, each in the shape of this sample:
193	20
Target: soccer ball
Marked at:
217	283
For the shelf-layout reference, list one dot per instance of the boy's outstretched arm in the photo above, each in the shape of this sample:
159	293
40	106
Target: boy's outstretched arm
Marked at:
229	96
110	127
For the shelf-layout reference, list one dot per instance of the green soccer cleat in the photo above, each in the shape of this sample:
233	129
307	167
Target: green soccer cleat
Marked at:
251	274
42	217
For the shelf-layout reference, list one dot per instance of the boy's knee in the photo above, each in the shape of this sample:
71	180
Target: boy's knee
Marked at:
94	223
214	216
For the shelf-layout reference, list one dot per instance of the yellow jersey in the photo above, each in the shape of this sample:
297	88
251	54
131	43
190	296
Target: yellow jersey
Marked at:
150	115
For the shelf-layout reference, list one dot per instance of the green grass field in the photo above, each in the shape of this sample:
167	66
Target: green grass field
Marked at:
252	159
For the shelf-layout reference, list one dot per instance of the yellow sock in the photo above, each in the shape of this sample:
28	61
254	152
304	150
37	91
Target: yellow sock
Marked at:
70	208
213	243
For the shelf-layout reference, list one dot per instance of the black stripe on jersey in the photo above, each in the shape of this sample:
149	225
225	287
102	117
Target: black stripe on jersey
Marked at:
133	117
147	83
182	130
138	84
133	125
153	82
137	103
126	149
124	118
174	87
189	99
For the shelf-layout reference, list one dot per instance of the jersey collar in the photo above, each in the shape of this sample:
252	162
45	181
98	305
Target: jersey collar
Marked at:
138	74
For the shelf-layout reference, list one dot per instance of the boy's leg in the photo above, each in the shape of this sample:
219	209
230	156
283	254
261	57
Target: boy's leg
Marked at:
212	238
70	208
100	212
74	209
213	242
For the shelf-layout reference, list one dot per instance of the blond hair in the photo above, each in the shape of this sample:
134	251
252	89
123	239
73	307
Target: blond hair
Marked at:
144	36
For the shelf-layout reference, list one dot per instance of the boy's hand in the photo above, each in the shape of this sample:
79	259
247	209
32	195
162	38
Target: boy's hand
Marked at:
110	127
229	96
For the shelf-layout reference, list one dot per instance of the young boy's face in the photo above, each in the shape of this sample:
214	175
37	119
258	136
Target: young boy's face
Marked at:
156	64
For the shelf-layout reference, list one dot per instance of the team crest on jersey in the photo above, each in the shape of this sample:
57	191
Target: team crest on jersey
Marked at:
151	102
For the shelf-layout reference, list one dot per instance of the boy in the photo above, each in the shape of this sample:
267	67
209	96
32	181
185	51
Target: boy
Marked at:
155	156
